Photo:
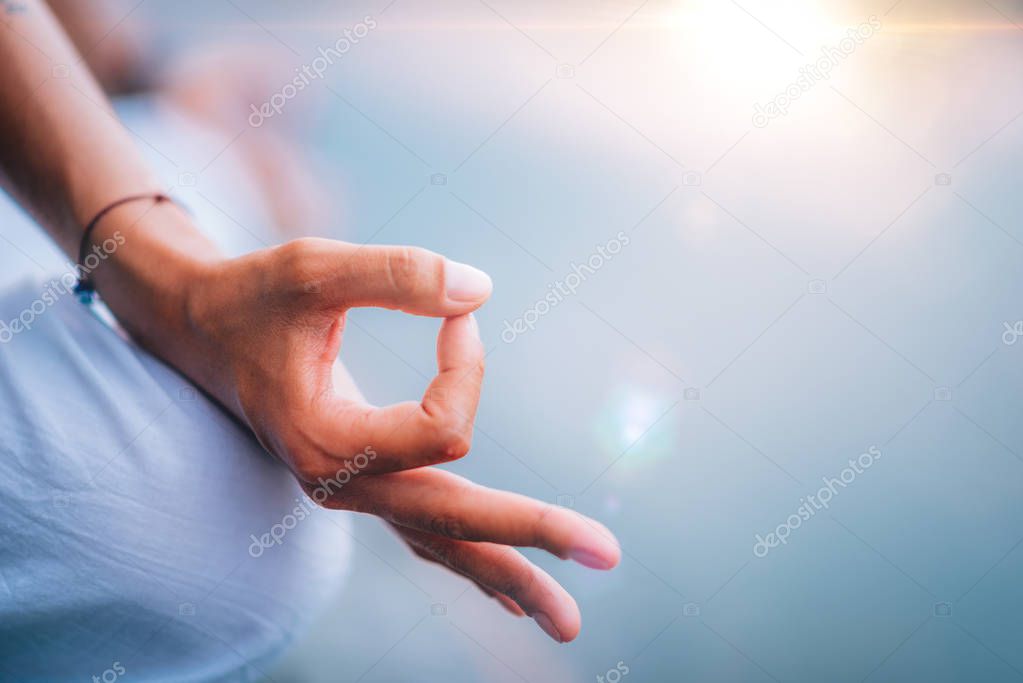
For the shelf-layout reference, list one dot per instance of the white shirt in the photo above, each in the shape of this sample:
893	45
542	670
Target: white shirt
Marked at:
129	505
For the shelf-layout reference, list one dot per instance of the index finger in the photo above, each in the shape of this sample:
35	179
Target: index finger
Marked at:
408	435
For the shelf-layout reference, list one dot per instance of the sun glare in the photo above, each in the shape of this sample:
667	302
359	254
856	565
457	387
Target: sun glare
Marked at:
748	43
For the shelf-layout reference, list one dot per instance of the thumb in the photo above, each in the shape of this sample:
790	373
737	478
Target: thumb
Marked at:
409	279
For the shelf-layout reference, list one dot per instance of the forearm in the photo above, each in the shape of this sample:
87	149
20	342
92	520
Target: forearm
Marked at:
64	156
119	58
63	152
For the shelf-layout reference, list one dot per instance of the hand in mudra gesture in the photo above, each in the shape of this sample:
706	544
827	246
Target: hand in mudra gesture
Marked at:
268	329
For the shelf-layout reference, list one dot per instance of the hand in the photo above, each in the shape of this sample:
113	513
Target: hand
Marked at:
267	332
262	333
270	326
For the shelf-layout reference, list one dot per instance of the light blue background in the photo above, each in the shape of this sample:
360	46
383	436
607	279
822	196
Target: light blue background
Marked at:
713	294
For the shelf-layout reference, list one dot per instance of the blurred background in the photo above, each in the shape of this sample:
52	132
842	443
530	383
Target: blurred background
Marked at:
822	254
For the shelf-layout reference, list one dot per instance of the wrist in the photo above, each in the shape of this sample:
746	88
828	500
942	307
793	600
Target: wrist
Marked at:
144	259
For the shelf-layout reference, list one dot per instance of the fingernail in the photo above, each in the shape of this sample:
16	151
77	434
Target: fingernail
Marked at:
465	283
544	622
589	559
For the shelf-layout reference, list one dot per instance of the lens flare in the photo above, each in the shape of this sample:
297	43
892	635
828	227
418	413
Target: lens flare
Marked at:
633	430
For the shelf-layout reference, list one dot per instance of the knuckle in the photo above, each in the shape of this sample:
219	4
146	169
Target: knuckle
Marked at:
450	434
453	441
407	266
449	526
297	250
296	260
540	524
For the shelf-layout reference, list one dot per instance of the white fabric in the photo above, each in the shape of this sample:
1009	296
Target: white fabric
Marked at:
128	502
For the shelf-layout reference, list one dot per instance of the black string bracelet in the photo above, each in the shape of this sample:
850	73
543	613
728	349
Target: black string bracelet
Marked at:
85	288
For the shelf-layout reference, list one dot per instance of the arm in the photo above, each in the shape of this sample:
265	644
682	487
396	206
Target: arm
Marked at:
118	58
64	156
261	334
